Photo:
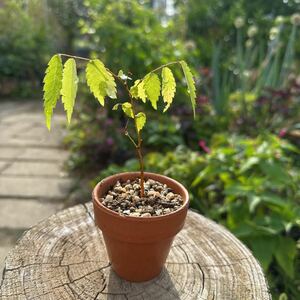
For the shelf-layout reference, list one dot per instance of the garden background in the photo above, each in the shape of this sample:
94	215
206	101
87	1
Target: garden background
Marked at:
239	158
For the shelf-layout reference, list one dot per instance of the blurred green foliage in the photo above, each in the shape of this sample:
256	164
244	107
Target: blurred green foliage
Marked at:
249	185
258	65
23	44
131	36
211	21
30	31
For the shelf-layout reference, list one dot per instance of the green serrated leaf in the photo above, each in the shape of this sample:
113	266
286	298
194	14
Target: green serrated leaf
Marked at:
100	81
152	88
190	83
138	90
168	86
134	89
69	87
127	108
141	91
140	121
52	86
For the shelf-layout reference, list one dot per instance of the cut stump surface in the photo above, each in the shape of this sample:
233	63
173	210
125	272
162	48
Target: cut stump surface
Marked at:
64	257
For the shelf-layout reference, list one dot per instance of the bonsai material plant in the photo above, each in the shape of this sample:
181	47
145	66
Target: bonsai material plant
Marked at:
139	213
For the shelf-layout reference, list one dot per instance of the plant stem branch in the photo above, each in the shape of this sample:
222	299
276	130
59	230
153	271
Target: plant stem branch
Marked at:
129	136
165	65
74	56
139	143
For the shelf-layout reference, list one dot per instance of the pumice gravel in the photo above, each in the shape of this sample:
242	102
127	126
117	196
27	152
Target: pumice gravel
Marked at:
124	198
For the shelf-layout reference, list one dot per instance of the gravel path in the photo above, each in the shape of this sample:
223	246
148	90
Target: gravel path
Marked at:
33	184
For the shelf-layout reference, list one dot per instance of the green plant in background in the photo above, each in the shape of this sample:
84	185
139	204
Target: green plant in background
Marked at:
128	33
254	69
62	80
252	187
23	45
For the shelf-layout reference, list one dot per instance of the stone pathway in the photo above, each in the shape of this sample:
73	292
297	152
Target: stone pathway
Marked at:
33	185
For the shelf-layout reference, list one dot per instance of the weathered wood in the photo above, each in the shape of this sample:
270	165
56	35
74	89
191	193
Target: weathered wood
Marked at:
64	257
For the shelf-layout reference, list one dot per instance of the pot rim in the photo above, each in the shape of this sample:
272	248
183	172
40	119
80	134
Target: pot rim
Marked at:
98	203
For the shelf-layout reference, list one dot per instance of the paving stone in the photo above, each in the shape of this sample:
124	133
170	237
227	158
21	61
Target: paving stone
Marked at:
43	154
30	117
10	130
3	165
34	169
33	142
9	152
32	187
25	213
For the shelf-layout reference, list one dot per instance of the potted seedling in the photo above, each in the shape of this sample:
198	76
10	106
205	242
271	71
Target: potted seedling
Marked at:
139	213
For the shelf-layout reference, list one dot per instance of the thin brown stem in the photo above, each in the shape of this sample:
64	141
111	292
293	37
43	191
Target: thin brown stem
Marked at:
165	65
139	143
141	162
74	56
131	139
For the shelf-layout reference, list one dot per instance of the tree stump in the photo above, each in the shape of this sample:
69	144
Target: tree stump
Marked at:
64	257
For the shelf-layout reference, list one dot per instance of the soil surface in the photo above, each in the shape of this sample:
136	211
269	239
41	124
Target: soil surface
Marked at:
124	198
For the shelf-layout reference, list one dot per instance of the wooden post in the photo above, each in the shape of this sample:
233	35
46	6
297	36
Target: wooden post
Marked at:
64	257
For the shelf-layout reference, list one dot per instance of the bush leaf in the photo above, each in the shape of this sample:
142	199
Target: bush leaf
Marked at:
152	88
168	86
263	248
190	83
100	81
52	86
140	121
285	254
69	87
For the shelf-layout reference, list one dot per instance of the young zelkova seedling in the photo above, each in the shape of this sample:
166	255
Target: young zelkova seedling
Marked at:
61	80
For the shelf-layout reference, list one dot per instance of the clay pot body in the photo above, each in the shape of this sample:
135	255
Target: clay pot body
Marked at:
138	247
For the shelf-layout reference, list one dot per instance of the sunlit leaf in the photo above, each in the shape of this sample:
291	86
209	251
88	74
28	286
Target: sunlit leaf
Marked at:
168	86
134	89
138	90
190	83
140	120
126	107
69	87
52	87
100	81
152	88
141	91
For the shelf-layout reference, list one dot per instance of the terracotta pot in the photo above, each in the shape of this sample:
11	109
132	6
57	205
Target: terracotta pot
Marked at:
138	247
